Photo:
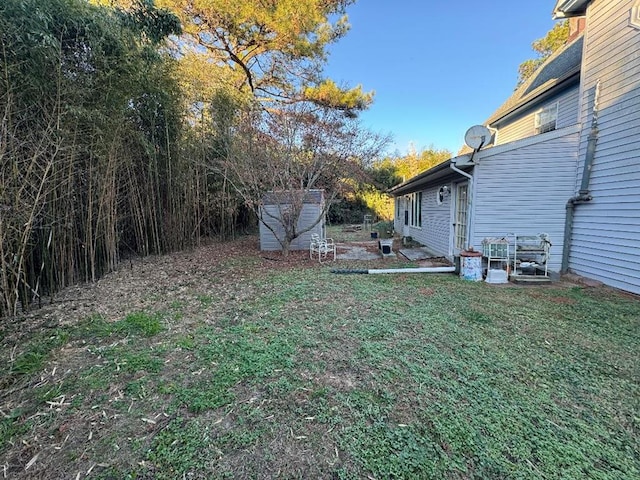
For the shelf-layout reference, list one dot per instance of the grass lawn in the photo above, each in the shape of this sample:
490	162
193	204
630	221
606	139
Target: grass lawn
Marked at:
226	362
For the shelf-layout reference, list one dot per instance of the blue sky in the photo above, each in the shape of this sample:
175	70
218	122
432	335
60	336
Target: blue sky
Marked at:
437	66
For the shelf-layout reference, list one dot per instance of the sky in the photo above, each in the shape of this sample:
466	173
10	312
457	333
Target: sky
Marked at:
437	66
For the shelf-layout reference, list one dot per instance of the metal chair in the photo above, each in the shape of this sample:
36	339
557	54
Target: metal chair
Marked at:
321	247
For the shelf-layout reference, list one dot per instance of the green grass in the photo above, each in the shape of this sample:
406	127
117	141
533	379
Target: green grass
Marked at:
300	373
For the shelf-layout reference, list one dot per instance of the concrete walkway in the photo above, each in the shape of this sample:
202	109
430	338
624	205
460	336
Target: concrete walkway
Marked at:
368	250
418	253
358	251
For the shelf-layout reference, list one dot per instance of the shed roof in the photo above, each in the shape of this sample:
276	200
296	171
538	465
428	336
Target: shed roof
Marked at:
315	196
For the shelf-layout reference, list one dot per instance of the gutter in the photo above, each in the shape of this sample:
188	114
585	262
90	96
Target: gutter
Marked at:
584	195
418	179
569	8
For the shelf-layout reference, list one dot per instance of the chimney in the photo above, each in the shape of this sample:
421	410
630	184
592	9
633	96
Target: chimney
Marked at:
576	27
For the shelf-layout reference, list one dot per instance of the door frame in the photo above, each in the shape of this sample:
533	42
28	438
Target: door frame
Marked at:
455	214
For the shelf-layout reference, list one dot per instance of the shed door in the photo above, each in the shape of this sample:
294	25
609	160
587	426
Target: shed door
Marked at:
461	216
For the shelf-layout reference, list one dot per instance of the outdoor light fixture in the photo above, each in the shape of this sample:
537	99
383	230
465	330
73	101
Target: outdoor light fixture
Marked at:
443	192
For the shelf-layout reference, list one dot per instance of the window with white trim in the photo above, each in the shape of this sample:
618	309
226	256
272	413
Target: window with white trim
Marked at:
546	118
415	217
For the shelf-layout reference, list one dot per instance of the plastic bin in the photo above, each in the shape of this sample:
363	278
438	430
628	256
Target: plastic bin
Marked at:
497	276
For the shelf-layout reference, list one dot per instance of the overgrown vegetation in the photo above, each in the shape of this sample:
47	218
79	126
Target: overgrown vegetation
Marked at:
370	197
89	116
118	122
130	128
243	369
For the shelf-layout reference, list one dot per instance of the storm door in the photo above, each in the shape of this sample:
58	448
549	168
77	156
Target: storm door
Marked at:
461	216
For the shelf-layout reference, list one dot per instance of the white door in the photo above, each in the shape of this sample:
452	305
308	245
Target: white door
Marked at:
461	216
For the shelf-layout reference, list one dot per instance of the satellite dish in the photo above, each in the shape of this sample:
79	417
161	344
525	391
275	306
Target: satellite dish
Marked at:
477	136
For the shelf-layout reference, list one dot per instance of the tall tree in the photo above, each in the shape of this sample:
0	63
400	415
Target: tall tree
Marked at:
274	49
544	48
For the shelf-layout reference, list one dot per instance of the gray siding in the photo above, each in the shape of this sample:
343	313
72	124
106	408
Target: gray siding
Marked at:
523	188
524	125
310	213
436	222
568	108
606	237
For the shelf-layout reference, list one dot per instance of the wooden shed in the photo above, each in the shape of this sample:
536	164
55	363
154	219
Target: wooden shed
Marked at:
276	206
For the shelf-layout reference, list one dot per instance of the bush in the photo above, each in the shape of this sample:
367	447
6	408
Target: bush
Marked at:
385	229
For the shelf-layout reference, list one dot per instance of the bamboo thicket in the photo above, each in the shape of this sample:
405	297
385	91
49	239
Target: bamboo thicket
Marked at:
96	161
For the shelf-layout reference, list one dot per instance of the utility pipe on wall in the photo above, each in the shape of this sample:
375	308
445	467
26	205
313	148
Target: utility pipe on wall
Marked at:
584	195
469	194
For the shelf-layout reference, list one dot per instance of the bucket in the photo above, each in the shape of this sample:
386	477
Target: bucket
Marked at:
385	245
497	276
471	265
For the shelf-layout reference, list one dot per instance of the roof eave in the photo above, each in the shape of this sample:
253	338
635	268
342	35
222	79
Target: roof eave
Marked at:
569	8
439	171
535	97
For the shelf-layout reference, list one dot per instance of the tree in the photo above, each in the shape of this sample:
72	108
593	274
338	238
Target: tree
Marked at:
390	171
544	47
291	152
414	162
250	54
274	49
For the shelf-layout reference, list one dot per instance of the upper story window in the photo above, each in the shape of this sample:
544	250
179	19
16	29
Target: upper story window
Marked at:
546	118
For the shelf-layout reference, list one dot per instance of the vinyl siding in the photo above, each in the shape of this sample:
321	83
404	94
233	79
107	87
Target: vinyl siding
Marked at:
436	222
568	108
523	126
523	188
309	214
606	241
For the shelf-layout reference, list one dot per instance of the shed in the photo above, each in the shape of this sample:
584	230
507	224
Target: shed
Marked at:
273	215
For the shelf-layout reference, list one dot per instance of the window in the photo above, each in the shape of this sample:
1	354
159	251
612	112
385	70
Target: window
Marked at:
546	117
416	209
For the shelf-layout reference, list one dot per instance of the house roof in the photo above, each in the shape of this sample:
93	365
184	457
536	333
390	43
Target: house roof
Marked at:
570	8
559	70
432	176
315	196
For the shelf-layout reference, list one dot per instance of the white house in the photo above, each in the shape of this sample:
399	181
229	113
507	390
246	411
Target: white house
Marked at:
529	179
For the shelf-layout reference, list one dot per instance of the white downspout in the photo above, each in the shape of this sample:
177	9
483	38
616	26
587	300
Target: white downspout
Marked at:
412	270
453	167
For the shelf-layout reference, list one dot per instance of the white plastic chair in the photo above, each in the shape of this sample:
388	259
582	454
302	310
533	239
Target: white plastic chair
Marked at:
321	247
